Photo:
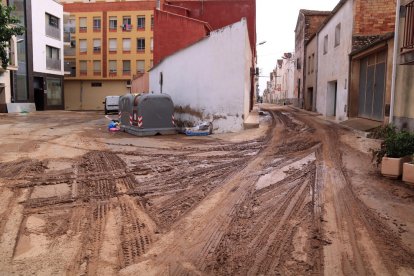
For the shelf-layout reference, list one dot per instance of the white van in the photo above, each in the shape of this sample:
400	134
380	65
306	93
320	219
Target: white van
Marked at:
111	104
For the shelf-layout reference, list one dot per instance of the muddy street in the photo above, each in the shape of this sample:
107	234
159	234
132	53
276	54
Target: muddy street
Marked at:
298	196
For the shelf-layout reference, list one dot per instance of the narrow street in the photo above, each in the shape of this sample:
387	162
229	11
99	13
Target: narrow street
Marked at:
299	196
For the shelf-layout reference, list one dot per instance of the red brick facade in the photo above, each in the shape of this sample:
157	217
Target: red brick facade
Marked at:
374	17
173	32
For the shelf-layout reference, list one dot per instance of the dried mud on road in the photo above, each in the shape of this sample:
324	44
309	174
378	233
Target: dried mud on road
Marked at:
301	199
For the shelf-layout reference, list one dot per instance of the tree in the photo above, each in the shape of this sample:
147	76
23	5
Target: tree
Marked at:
9	26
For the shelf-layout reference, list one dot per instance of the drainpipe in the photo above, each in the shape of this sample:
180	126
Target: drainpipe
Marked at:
394	59
316	72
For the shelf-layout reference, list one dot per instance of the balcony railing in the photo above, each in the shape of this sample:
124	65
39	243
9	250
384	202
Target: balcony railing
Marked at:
53	64
71	68
408	42
70	51
52	31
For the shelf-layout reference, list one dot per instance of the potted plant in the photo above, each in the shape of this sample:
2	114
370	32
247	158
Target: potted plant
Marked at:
408	171
396	149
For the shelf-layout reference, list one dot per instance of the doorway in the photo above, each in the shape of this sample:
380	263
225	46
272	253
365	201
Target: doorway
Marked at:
331	98
39	95
309	99
372	86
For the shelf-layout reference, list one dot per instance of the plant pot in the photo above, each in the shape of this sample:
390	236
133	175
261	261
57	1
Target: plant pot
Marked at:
408	173
393	167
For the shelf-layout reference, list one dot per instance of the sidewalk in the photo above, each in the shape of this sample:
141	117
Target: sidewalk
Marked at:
252	121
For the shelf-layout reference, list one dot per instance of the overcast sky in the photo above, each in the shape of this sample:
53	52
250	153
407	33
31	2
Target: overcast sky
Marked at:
276	22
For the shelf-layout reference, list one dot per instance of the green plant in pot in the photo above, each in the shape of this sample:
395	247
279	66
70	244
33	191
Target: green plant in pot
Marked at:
396	149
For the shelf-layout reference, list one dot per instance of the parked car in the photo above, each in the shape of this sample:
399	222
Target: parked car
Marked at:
111	104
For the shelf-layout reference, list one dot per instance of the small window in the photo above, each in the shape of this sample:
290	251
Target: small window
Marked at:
141	22
112	45
97	46
83	47
52	52
152	44
325	45
309	65
113	22
83	67
337	34
53	21
97	67
126	44
126	67
96	24
82	24
141	44
152	21
126	23
96	84
112	67
298	64
140	66
313	63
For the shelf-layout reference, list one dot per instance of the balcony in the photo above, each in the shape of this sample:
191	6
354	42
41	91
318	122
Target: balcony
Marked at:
53	64
408	42
70	68
70	51
52	31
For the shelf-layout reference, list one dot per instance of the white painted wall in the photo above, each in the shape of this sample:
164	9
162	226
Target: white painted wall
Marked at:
334	65
211	77
40	40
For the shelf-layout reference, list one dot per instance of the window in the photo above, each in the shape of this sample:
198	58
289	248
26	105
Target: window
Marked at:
140	66
53	58
152	21
126	67
52	52
97	46
126	44
97	67
337	34
83	67
112	45
309	65
96	24
313	63
298	64
82	24
408	40
112	67
96	84
126	23
52	26
53	20
325	44
141	44
141	22
152	44
113	23
83	47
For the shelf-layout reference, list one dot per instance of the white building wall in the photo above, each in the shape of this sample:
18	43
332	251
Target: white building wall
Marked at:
40	39
334	65
210	80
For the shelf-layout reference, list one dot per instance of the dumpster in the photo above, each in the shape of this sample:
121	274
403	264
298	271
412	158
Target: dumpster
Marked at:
147	114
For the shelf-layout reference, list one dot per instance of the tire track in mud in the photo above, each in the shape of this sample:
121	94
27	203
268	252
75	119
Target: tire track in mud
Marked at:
361	244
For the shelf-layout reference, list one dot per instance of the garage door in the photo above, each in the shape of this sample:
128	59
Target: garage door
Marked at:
372	86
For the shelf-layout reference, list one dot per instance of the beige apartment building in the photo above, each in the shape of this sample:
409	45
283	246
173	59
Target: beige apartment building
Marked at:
107	43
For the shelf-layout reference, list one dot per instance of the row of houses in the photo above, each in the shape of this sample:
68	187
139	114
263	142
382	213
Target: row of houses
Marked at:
356	61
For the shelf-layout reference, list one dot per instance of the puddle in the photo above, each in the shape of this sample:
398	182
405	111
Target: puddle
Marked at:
278	175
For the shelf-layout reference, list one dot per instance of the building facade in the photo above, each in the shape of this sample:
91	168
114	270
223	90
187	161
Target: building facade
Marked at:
36	80
108	43
311	72
403	91
307	24
200	85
